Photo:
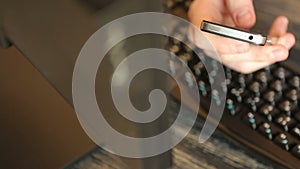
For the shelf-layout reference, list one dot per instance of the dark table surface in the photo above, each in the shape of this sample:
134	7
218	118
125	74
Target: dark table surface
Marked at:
220	151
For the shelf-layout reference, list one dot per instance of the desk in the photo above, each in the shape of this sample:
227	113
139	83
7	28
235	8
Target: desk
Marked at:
219	151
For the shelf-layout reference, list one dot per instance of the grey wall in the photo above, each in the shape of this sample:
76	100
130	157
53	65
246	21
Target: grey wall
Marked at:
39	129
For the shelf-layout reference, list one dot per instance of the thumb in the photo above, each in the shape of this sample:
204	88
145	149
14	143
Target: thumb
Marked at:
242	12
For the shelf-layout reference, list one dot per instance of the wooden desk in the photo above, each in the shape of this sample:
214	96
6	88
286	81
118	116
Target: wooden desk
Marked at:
219	151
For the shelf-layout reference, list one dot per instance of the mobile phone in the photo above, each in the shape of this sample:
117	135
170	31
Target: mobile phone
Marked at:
226	31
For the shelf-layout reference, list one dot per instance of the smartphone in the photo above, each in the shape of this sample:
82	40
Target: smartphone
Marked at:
226	31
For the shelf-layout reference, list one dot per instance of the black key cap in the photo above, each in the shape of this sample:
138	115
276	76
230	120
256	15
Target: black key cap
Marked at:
267	70
269	111
237	94
249	78
271	96
242	81
283	141
285	122
277	86
254	103
296	151
262	77
287	107
296	131
295	82
280	73
292	95
256	88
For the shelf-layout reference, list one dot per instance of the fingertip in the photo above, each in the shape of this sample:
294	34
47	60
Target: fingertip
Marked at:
283	19
279	26
245	19
291	40
278	53
242	12
288	40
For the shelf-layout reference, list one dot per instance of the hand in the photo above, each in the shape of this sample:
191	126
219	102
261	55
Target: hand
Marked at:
241	56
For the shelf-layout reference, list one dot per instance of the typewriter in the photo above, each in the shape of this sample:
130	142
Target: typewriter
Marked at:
262	109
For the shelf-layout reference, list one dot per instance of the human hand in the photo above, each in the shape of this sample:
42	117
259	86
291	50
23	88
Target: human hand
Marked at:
241	56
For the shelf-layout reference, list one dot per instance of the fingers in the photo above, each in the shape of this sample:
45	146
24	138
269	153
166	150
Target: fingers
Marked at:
288	40
211	10
279	26
279	29
247	67
242	12
259	54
